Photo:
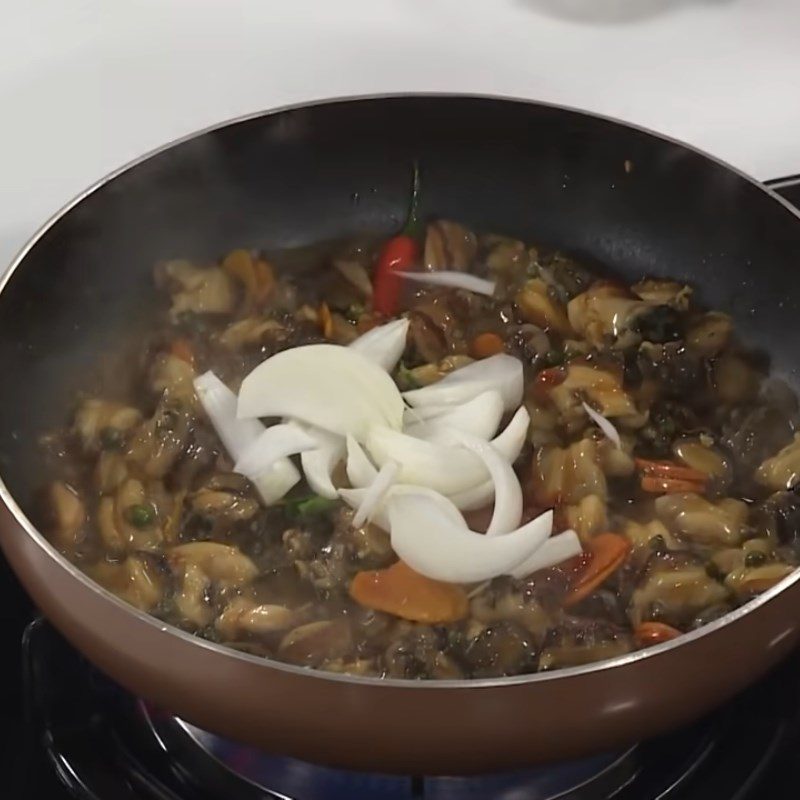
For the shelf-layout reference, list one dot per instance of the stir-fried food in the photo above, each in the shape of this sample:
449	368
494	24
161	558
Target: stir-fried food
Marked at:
445	455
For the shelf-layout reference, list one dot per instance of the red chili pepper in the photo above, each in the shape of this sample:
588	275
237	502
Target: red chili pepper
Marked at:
397	255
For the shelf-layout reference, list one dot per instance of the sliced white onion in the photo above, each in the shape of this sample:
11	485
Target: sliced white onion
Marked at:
238	435
453	279
510	442
476	590
219	403
415	416
507	511
501	373
380	517
375	492
475	497
425	538
605	425
277	441
556	549
480	417
318	464
445	469
360	470
332	387
273	484
385	344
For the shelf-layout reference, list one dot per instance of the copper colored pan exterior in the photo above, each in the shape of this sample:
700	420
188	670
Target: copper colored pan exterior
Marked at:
291	177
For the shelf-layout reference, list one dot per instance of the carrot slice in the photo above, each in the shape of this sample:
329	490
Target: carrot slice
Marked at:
656	485
180	348
650	633
670	470
400	591
325	320
485	345
607	551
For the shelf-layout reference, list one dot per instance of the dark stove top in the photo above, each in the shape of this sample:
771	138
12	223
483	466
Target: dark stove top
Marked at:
82	737
68	732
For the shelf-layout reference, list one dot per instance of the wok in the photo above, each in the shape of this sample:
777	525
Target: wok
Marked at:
609	192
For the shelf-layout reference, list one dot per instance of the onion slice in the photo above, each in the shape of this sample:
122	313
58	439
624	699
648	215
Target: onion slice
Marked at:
509	445
318	464
219	403
354	498
360	470
238	435
556	549
325	385
384	345
416	416
452	279
425	538
480	417
273	484
375	493
276	442
501	373
445	469
605	425
510	442
475	497
507	511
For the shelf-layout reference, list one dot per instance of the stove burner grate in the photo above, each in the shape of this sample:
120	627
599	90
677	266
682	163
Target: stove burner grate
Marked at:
238	769
100	742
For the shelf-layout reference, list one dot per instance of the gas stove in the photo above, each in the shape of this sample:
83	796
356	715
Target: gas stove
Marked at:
68	732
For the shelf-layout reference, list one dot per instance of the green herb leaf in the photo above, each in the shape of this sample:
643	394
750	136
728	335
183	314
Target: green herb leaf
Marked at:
404	378
311	506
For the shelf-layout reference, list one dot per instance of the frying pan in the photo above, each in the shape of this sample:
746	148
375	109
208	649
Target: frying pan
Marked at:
608	192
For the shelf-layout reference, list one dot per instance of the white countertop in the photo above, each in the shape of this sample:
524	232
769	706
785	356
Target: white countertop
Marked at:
86	85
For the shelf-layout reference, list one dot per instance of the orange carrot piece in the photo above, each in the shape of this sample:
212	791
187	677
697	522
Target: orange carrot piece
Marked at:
180	348
670	470
656	485
400	591
485	345
325	320
607	551
650	633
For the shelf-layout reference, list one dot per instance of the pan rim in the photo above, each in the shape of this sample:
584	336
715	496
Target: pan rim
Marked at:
394	683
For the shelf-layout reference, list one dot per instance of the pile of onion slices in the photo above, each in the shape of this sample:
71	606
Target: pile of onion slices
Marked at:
414	460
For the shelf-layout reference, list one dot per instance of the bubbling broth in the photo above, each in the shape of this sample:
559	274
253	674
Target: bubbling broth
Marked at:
451	456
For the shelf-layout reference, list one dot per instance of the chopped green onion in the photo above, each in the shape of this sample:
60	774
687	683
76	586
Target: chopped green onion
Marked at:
404	378
305	507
